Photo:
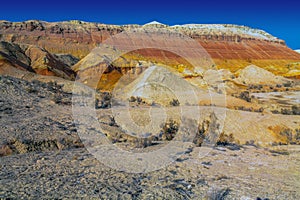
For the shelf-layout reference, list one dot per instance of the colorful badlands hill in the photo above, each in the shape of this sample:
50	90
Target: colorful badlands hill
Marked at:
230	46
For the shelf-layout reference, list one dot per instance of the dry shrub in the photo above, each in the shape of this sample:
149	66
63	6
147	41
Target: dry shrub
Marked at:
169	130
225	139
207	131
218	194
5	150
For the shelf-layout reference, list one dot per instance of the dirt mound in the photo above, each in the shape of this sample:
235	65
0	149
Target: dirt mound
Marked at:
159	85
256	75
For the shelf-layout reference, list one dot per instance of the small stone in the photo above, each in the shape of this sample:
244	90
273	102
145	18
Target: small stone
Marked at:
220	148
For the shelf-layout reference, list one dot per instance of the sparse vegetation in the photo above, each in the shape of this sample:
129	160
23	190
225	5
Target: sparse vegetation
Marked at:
202	133
174	102
297	135
275	111
289	136
207	131
287	133
137	100
5	150
132	99
225	139
261	109
143	142
257	87
280	152
218	194
104	102
244	108
169	130
53	86
57	98
250	143
285	111
270	88
245	95
287	84
294	110
112	121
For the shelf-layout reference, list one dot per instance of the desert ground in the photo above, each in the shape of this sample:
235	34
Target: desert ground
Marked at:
81	121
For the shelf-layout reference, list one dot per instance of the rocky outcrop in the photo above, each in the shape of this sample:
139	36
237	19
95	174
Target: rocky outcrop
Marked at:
67	59
159	85
11	63
14	51
255	75
33	59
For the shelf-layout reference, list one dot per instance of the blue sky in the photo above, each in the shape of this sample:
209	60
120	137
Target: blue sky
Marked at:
280	18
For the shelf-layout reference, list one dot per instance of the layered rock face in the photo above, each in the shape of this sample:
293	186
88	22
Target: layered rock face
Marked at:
74	37
232	47
33	59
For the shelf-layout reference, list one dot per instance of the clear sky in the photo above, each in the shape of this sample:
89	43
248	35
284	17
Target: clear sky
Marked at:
280	18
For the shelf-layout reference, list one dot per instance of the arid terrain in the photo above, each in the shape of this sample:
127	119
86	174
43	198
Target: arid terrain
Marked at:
194	111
